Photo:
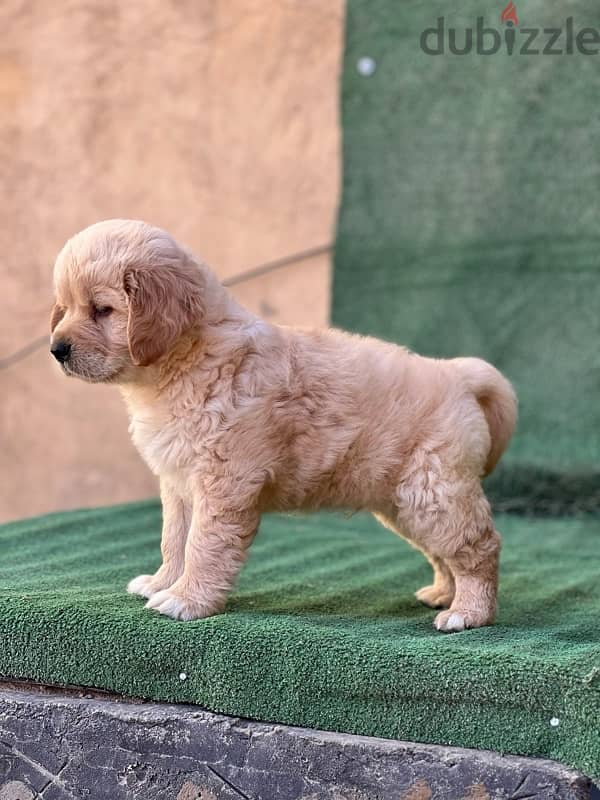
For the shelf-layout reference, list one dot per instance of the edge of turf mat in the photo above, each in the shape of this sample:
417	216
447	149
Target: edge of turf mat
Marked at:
322	631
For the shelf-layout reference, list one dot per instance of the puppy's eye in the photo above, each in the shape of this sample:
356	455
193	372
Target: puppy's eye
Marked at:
102	311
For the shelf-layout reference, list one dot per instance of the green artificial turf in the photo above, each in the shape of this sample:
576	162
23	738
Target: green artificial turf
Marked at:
322	631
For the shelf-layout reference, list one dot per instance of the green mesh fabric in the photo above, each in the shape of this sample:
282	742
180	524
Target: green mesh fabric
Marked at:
470	222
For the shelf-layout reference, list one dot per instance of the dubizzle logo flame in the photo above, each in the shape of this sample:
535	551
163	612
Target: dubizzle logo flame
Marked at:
509	14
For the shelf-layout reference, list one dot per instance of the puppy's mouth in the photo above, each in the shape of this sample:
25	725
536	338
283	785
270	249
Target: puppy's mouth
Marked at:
88	374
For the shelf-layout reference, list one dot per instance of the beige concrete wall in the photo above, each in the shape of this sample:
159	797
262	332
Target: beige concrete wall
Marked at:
216	119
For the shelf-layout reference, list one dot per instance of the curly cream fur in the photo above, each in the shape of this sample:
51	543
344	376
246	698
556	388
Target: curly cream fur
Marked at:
238	417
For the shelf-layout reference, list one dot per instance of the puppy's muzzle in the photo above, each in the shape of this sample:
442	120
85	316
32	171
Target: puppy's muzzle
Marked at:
61	350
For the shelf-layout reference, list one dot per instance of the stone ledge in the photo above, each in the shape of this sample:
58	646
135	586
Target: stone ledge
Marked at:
58	744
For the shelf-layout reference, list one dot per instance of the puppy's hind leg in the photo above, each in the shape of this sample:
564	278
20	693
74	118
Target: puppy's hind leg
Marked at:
441	592
452	522
475	570
177	515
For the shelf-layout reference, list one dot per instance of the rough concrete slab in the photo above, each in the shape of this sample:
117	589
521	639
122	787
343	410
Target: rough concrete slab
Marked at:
56	744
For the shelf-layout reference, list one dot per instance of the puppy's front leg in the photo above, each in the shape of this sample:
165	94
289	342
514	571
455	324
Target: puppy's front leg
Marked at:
177	515
216	548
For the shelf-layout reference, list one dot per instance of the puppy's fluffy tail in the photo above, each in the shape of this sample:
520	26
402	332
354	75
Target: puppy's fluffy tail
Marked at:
498	401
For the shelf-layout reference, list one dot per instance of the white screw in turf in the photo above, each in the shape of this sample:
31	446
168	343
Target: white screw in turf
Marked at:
555	722
182	676
366	66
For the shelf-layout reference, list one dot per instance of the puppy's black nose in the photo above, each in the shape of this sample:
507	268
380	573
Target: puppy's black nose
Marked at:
61	350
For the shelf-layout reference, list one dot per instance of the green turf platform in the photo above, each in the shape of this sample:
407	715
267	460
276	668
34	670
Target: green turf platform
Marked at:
323	630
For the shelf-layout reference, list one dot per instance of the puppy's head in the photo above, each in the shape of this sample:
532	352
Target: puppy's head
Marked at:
126	292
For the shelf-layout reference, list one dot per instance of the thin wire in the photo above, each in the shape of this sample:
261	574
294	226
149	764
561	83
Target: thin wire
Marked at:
241	277
271	266
24	352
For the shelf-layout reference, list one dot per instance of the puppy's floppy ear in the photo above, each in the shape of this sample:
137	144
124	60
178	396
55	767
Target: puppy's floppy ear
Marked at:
165	301
56	316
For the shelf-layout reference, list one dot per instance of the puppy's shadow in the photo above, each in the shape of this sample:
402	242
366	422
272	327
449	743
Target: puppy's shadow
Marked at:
343	603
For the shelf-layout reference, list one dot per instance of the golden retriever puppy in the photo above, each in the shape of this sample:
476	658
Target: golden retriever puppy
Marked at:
237	416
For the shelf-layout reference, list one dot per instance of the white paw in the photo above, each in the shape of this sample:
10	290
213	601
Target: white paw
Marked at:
450	622
455	620
141	585
173	605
